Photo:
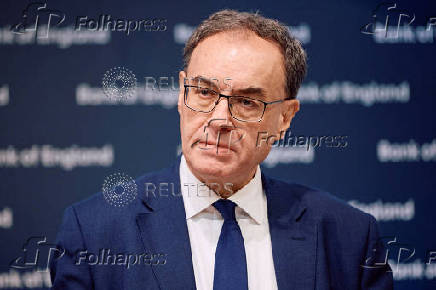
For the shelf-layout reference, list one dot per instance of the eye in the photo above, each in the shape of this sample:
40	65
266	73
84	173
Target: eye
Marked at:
247	102
205	92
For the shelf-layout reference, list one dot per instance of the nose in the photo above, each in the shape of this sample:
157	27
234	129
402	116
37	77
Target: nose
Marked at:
221	110
221	120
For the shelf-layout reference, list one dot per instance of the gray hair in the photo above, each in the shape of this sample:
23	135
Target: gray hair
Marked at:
266	28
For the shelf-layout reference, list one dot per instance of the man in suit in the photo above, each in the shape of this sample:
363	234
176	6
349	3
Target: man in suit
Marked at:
213	220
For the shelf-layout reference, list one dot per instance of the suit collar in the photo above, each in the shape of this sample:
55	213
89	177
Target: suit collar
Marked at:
289	204
293	235
163	229
160	189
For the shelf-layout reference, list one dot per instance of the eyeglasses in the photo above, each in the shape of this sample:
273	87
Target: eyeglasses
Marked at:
245	109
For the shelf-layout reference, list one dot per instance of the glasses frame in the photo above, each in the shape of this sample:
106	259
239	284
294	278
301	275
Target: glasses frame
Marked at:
185	97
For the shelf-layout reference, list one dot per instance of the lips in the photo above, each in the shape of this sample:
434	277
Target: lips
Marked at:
211	144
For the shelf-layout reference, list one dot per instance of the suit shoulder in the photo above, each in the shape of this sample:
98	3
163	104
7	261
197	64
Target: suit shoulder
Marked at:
97	205
324	205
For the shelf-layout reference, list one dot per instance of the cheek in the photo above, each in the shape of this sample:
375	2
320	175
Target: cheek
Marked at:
255	139
250	140
271	123
190	124
253	150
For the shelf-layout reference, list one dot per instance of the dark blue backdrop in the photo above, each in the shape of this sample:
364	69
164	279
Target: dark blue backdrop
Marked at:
61	136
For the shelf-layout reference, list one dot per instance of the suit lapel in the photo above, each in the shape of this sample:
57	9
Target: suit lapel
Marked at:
293	236
163	230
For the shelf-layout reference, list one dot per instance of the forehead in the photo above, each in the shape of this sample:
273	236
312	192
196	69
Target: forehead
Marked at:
245	58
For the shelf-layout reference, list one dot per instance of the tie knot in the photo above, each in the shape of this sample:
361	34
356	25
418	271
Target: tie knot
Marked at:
226	208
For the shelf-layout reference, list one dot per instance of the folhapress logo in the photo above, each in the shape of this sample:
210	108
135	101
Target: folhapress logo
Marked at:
390	24
37	15
106	22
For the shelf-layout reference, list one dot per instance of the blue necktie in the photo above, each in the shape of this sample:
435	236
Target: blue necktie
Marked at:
230	262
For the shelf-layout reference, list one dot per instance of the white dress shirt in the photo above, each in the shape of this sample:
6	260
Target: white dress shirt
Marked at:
204	226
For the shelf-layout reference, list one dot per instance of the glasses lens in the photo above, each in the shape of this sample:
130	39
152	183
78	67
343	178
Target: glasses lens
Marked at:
246	109
201	98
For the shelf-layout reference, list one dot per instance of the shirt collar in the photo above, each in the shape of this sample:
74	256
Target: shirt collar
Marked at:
197	196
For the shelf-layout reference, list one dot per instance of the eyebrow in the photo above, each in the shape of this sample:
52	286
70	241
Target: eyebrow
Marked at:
204	80
258	92
250	91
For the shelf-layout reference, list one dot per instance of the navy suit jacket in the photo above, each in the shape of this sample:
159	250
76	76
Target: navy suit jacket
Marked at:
318	241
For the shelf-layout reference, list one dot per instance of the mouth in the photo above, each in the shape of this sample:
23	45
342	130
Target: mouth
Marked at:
220	148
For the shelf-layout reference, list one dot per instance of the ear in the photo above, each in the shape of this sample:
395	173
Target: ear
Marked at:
182	79
289	109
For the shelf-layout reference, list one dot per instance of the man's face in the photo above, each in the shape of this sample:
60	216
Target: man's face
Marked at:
217	147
